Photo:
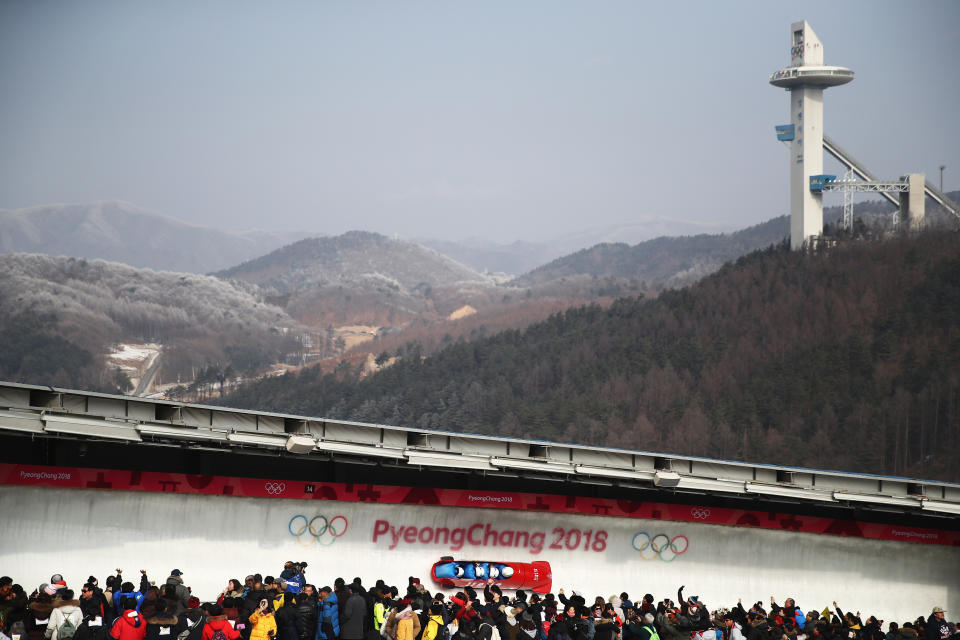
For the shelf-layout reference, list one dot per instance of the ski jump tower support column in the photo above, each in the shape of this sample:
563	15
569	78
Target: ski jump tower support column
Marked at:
806	78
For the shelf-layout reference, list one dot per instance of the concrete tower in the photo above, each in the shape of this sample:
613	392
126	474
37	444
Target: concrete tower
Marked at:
805	79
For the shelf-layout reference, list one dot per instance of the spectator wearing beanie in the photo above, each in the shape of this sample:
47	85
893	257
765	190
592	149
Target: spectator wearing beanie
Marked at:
57	585
182	592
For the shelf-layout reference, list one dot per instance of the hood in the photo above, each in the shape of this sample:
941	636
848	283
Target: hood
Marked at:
132	618
218	623
193	615
163	619
41	609
63	604
174	580
332	598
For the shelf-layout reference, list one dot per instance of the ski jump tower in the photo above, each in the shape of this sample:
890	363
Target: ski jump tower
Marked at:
806	78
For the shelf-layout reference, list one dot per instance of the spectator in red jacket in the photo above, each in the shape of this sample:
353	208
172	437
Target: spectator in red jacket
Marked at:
217	621
130	625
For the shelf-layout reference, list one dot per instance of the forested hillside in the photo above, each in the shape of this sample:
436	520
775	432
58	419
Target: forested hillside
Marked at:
60	316
845	359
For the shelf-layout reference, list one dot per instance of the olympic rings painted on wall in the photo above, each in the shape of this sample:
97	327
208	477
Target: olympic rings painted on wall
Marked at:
660	546
274	488
700	513
325	534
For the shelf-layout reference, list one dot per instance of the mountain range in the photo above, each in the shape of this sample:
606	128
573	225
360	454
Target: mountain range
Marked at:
121	232
349	296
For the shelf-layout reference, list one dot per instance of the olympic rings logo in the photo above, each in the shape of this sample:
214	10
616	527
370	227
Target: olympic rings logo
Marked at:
274	488
700	513
324	535
660	546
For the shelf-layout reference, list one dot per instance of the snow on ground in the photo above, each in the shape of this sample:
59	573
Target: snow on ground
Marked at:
134	352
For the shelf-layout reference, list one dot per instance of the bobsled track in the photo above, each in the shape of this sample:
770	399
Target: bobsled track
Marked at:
91	482
211	538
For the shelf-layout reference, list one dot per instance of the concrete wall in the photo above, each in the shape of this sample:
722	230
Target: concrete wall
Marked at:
77	532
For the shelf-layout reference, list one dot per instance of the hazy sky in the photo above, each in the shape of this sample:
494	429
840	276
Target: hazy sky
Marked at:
505	119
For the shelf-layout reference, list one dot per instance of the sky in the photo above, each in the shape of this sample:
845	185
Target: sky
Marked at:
505	120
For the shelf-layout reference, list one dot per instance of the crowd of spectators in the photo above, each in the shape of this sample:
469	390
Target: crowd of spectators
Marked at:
288	607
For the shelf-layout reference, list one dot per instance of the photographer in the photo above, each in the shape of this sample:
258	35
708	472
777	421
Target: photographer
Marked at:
293	576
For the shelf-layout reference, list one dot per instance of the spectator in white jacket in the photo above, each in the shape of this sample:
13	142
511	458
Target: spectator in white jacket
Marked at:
64	609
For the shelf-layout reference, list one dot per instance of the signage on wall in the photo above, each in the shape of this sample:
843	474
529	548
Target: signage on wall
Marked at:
324	526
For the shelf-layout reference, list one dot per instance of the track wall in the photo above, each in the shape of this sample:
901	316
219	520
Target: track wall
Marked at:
77	532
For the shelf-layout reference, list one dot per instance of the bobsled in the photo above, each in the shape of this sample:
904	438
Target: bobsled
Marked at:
450	573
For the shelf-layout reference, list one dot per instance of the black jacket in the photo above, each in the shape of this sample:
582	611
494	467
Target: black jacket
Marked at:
606	629
308	616
936	629
286	617
351	621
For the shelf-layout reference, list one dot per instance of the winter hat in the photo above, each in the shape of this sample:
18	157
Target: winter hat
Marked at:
938	610
57	579
193	602
51	589
176	572
92	580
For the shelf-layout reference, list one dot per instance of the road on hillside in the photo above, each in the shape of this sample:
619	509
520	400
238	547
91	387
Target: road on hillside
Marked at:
147	378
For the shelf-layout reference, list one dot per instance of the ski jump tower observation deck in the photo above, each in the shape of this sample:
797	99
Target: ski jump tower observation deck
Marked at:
806	78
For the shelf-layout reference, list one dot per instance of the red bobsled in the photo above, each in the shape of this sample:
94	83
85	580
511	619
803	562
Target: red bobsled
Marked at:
536	576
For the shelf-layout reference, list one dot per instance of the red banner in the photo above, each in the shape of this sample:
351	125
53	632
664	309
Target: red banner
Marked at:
78	478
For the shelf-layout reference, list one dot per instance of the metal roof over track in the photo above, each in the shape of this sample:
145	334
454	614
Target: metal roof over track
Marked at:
51	412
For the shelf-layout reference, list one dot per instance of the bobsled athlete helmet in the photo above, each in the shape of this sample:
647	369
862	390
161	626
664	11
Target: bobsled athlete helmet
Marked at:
506	572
